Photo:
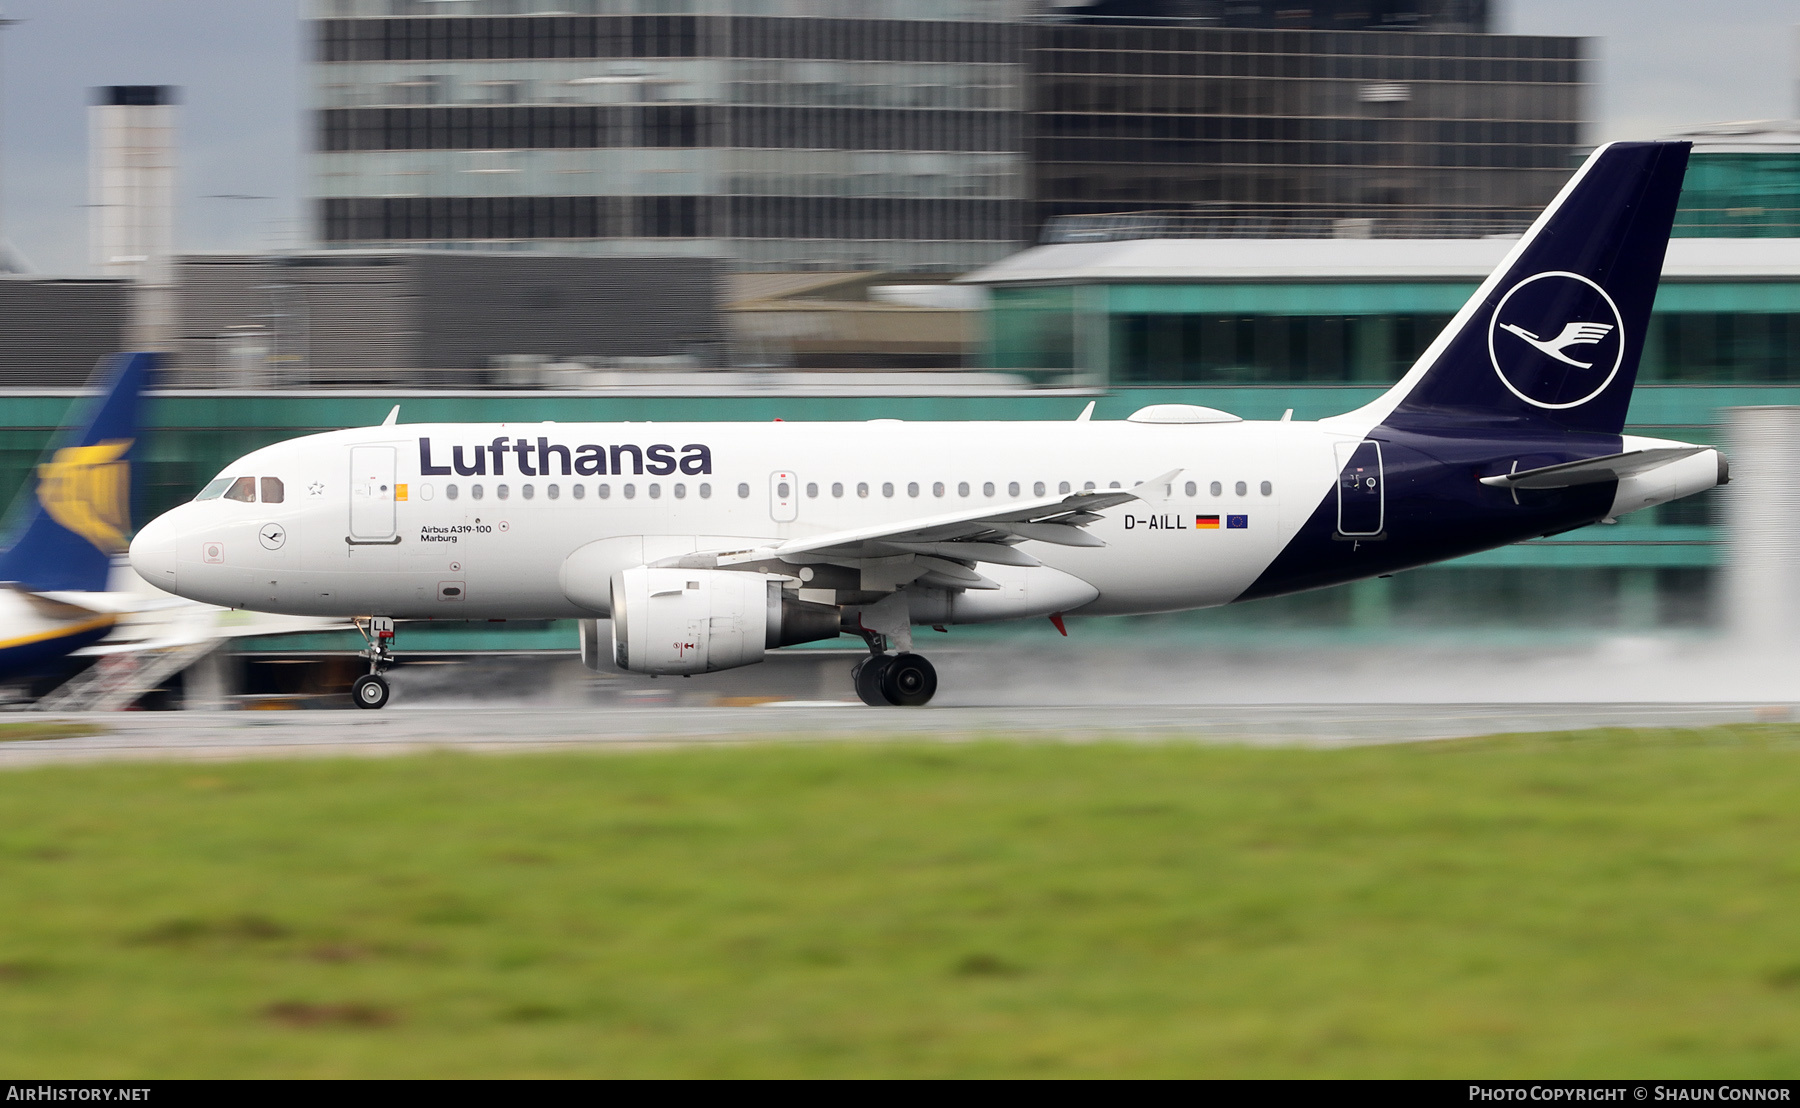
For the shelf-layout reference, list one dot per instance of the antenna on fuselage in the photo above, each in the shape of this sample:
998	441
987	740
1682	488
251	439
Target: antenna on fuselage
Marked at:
1087	413
393	417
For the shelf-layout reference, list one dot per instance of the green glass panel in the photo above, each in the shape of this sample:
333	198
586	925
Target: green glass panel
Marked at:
1744	195
1267	349
1728	296
1321	298
1032	328
1702	332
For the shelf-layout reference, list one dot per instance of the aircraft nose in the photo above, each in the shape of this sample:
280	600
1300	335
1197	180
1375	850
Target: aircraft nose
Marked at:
153	553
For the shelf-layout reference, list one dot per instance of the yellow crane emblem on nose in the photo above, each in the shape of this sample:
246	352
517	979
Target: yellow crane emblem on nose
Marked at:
88	490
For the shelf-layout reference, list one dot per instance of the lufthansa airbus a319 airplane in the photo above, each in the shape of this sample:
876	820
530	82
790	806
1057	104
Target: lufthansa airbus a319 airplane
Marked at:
706	545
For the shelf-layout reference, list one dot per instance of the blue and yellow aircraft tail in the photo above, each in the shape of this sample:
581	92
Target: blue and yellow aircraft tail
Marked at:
68	522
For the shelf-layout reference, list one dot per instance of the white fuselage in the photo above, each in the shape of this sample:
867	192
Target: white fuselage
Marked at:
369	524
435	547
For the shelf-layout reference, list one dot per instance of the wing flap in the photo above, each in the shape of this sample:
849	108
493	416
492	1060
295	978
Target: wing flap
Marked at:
978	551
1060	534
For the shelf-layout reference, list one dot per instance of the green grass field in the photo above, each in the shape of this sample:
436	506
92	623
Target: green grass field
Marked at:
1601	903
35	730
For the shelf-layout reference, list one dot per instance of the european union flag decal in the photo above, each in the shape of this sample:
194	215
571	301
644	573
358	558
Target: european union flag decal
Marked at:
1237	523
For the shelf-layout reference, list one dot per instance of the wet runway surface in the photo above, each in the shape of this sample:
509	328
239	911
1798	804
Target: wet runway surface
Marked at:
226	735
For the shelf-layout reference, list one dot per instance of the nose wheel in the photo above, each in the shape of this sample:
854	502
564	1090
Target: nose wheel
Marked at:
900	680
371	689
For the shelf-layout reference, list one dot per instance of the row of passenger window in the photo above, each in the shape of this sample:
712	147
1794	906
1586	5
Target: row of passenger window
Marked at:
654	489
1013	488
554	492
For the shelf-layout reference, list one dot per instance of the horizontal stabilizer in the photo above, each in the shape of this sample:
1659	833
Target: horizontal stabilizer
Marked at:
1593	471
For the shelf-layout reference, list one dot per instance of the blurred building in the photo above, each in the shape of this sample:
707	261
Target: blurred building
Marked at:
1315	15
850	321
835	134
437	318
913	135
57	329
1333	127
1744	181
131	199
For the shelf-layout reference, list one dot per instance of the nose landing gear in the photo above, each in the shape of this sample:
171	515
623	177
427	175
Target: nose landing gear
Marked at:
902	680
371	689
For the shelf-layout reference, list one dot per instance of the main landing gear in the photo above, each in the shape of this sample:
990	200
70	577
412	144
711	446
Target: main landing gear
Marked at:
371	689
903	680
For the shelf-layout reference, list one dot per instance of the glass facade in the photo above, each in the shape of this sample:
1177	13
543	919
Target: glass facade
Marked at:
1352	124
1728	333
950	131
784	135
1744	194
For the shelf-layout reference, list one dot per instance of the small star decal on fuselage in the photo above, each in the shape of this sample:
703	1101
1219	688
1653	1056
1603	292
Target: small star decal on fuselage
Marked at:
315	489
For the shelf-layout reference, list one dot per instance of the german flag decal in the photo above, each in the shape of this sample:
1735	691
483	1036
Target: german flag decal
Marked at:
1206	523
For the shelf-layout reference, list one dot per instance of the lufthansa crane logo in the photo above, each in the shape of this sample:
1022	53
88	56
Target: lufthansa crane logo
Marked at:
1556	340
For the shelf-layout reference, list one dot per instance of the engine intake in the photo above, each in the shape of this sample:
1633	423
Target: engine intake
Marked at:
681	621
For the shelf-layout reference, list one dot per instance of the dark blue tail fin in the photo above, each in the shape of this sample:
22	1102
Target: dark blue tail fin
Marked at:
1550	342
75	512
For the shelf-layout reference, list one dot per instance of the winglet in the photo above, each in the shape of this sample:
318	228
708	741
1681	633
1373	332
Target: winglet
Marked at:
1087	413
392	418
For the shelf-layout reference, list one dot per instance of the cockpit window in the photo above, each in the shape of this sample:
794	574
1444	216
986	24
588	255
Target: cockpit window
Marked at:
214	489
271	490
244	489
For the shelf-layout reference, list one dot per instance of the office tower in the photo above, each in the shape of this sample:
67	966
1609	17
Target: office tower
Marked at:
786	134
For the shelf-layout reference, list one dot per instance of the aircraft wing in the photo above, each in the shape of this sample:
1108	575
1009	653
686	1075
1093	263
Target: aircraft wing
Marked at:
196	623
940	549
1592	471
115	603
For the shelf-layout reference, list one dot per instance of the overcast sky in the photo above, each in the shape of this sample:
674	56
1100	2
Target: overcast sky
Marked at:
1663	66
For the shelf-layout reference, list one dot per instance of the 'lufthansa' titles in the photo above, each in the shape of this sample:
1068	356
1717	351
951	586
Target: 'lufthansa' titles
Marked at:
544	458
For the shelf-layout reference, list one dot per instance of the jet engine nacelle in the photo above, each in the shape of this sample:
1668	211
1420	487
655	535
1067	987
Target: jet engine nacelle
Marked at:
681	621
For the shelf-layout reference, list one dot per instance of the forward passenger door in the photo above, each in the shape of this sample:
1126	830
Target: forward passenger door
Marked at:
372	494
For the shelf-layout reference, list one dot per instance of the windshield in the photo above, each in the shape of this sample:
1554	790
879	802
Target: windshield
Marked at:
214	489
